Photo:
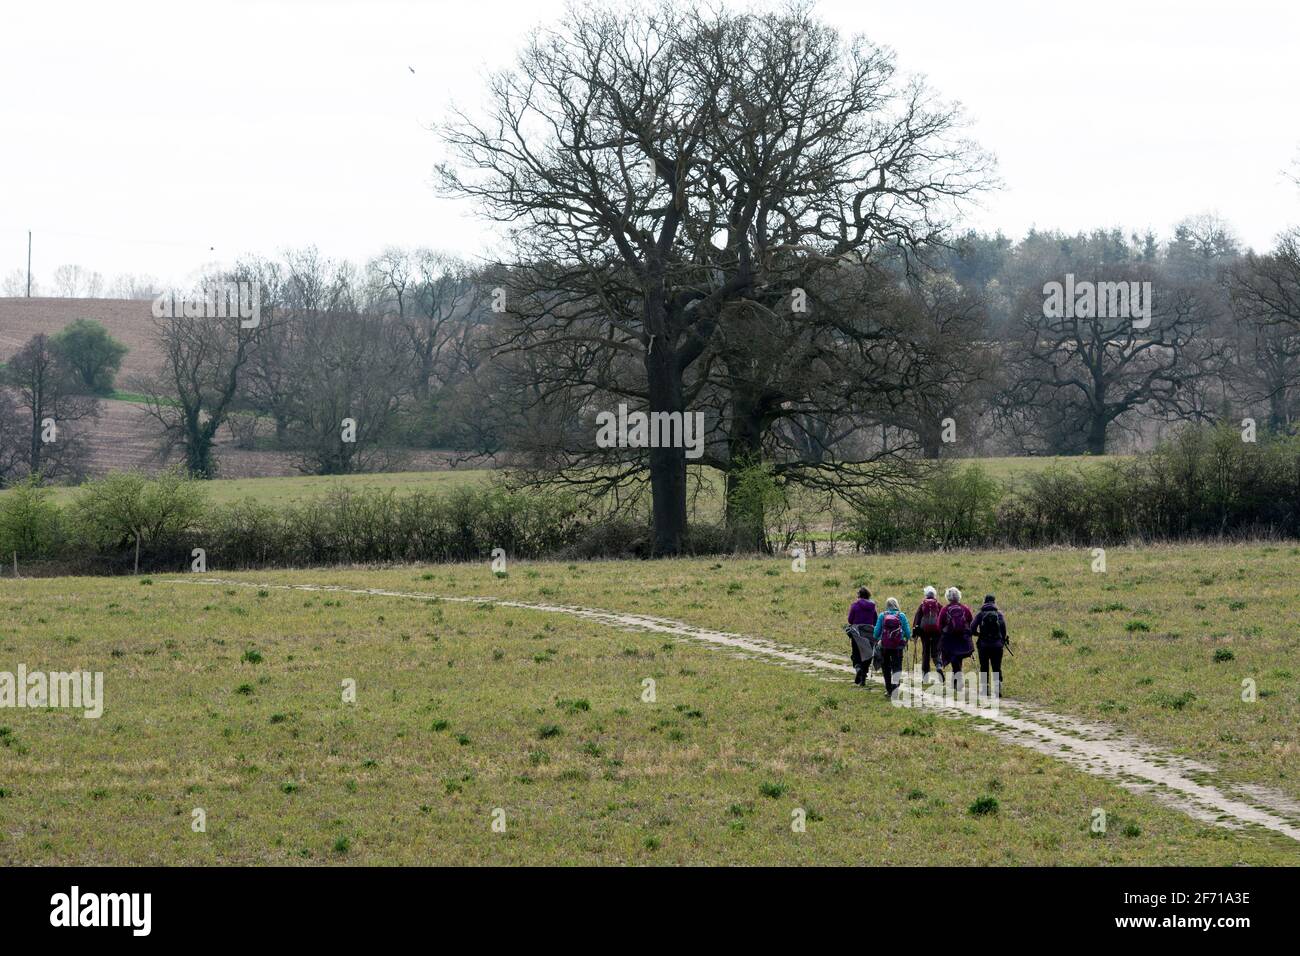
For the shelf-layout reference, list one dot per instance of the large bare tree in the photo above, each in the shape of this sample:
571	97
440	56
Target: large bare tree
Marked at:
194	390
661	167
1079	374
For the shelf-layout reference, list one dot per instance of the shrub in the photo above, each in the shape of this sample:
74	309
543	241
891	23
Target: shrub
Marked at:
614	538
756	501
111	515
951	507
30	523
1204	482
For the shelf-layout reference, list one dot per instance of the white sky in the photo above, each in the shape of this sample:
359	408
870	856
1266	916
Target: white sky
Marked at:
157	137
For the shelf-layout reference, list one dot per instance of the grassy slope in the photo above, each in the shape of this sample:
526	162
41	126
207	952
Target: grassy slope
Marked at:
287	772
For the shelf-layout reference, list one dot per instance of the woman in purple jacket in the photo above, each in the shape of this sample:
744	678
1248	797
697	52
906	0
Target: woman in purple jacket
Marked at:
862	618
954	636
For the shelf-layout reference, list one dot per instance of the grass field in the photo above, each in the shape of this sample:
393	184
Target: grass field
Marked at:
293	489
229	699
1012	468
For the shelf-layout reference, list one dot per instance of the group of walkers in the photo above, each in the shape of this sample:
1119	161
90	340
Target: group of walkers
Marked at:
949	633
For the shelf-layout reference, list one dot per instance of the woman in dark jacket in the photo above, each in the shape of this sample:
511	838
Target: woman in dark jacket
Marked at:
990	629
954	636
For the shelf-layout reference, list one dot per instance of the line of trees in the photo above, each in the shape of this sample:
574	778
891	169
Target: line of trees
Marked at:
72	281
841	384
342	368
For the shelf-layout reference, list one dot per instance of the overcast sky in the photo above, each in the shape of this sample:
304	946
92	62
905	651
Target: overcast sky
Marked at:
156	138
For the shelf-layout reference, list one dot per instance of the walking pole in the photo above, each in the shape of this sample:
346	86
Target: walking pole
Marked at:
911	668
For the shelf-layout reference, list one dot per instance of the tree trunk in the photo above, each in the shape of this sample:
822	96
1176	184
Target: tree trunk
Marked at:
667	465
198	457
36	437
931	438
745	519
1277	411
1097	434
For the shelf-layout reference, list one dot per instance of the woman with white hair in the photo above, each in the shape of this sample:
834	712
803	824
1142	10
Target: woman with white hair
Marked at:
954	636
893	632
927	628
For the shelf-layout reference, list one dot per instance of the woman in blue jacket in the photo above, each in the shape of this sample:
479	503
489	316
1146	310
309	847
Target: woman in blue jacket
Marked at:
893	631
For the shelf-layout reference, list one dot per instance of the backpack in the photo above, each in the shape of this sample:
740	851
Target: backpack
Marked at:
929	621
990	631
958	619
891	632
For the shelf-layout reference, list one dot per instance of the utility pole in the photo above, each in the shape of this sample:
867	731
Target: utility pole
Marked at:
29	263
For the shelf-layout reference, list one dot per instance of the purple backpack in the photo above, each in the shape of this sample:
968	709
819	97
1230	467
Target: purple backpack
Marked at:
891	632
958	623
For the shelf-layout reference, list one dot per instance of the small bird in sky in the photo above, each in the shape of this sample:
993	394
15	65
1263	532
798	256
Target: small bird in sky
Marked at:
411	68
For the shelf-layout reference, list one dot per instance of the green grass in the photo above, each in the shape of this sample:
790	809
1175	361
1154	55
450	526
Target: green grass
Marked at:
221	699
1013	469
137	398
290	490
1121	646
706	485
297	489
